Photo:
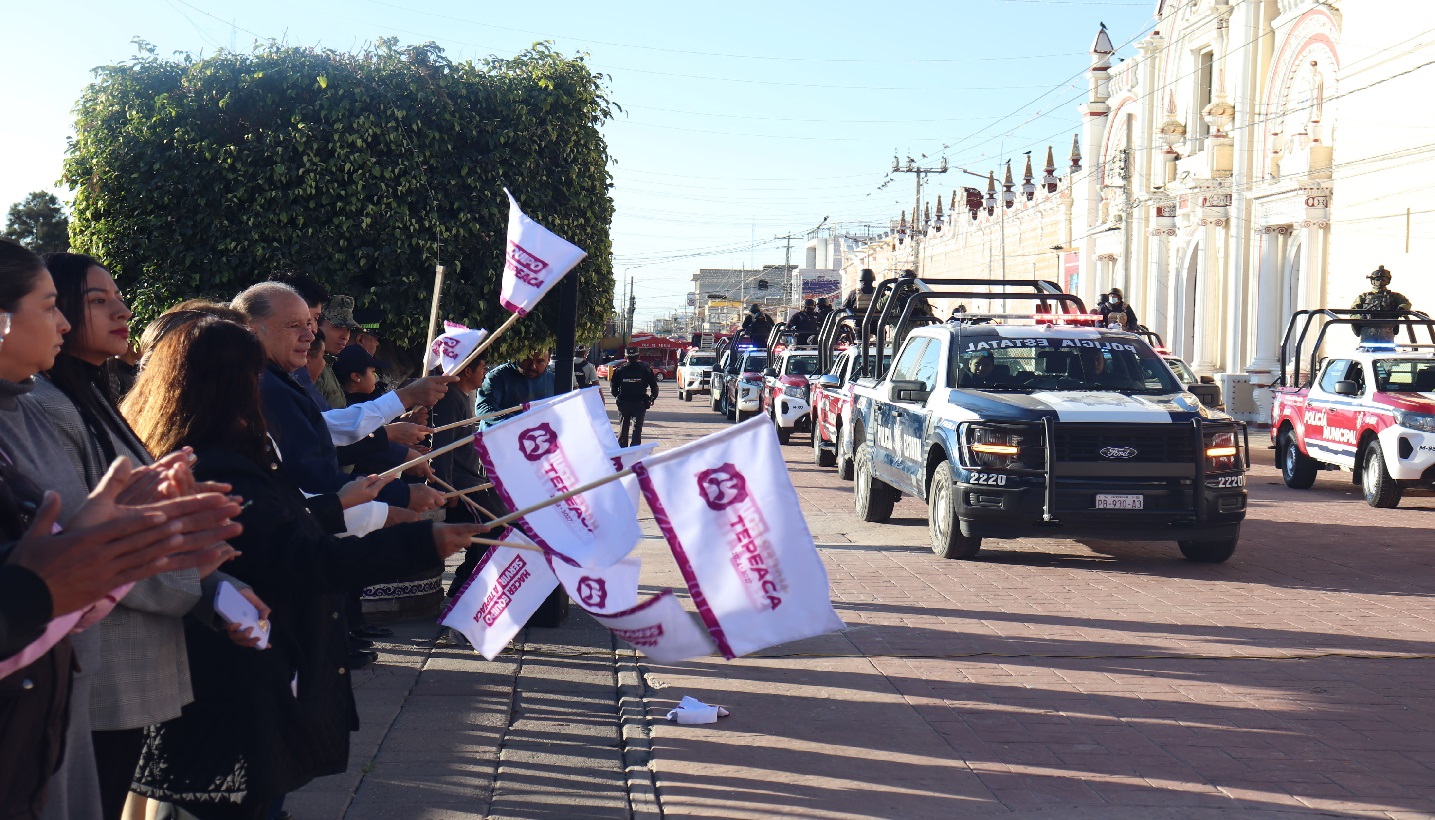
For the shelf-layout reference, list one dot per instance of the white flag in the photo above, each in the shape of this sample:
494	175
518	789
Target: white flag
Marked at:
660	628
601	590
626	457
450	349
550	449
727	507
536	258
501	595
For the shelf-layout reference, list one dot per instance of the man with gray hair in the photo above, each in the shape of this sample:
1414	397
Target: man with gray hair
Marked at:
281	320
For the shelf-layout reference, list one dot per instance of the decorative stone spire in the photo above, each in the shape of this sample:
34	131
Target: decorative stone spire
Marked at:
1028	188
1008	196
1101	49
939	208
1075	153
927	215
991	200
1048	179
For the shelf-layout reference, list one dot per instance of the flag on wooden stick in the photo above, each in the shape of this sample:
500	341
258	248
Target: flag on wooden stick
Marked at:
660	628
454	346
536	258
500	596
729	512
549	450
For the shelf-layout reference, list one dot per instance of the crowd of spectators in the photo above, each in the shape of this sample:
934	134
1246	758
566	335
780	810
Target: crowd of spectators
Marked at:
237	452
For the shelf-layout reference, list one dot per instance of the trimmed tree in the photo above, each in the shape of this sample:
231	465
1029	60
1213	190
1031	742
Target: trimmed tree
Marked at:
38	222
201	177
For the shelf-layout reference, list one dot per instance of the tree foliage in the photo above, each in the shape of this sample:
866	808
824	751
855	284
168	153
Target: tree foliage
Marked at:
39	223
200	177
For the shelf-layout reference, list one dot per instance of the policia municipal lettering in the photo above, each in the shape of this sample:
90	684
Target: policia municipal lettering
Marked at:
636	388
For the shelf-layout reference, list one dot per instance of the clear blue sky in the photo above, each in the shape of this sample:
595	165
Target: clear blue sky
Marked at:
743	120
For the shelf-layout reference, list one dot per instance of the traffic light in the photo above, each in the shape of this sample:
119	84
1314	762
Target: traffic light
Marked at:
762	284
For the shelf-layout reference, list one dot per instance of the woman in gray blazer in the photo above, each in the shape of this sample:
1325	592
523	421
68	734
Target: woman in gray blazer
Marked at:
143	678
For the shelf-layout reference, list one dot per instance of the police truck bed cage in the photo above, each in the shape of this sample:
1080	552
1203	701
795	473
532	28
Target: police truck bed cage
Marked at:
1408	320
874	325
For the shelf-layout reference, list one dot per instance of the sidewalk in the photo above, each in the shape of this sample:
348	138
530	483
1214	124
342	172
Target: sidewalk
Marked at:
447	734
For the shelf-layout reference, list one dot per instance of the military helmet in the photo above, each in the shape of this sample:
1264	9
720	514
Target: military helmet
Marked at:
1381	275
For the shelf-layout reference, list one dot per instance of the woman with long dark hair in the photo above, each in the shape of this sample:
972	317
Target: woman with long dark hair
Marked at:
143	678
29	452
262	723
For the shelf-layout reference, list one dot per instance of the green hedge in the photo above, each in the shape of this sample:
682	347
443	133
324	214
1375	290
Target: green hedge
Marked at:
200	177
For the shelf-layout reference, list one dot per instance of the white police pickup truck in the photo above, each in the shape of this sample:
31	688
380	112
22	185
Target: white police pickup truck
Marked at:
1048	430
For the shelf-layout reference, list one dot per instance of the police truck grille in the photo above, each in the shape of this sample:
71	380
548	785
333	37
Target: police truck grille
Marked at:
1153	444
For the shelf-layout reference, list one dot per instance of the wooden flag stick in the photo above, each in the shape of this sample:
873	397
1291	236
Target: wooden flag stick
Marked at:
560	498
477	419
514	544
458	493
438	271
487	340
477	510
393	471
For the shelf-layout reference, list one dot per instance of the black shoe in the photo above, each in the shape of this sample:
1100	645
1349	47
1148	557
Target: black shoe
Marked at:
361	658
367	631
357	644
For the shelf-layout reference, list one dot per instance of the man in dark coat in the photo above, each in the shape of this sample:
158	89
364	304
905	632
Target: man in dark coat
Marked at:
636	388
514	383
461	468
805	323
1117	312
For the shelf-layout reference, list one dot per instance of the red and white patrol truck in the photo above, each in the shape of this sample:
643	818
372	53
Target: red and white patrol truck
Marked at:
1370	411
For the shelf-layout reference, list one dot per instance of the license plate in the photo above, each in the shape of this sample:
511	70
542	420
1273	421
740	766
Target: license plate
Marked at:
1120	502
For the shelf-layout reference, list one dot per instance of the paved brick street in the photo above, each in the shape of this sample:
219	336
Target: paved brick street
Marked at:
1046	678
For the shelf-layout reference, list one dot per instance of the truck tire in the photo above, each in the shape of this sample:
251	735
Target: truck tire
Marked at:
1297	468
738	417
1379	489
874	499
845	466
716	404
1208	552
942	525
727	408
821	456
784	434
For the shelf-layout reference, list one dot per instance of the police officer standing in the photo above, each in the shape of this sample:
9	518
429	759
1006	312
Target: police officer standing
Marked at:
636	388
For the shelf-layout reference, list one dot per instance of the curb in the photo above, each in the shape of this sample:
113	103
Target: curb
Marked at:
635	742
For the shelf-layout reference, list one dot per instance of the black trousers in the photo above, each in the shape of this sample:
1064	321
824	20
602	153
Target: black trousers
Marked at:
117	754
632	418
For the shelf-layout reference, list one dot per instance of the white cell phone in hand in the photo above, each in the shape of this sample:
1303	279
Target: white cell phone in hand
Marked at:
236	609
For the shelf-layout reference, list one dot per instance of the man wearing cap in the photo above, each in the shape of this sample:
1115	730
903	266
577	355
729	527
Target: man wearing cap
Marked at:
636	388
337	323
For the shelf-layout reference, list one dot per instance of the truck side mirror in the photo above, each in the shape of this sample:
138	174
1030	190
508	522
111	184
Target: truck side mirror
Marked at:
907	390
830	381
1345	387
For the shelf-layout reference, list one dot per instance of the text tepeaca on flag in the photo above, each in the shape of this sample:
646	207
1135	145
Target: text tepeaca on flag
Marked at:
546	451
450	349
729	511
534	260
501	595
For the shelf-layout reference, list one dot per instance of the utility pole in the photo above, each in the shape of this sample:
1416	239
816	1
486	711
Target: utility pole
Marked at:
787	265
915	168
632	309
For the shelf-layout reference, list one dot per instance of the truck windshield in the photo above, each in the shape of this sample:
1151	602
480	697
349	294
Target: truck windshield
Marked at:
754	364
1041	363
700	361
1405	375
801	366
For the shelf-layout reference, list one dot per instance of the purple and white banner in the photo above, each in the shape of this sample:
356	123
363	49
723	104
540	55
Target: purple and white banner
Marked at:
626	457
592	402
546	451
729	511
535	259
501	595
660	628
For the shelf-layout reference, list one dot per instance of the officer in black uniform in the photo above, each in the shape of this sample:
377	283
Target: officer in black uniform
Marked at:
804	323
636	388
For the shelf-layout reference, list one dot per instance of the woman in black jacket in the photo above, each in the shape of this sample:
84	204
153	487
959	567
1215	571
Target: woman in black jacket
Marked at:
262	723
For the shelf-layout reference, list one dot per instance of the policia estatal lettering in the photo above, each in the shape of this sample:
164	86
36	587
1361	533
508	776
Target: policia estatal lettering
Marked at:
636	388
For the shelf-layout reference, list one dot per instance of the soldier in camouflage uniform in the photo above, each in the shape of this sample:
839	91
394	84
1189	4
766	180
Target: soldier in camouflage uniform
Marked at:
1379	299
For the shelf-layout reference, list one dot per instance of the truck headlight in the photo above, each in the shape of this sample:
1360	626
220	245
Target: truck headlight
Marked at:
994	447
1222	452
795	392
1424	422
